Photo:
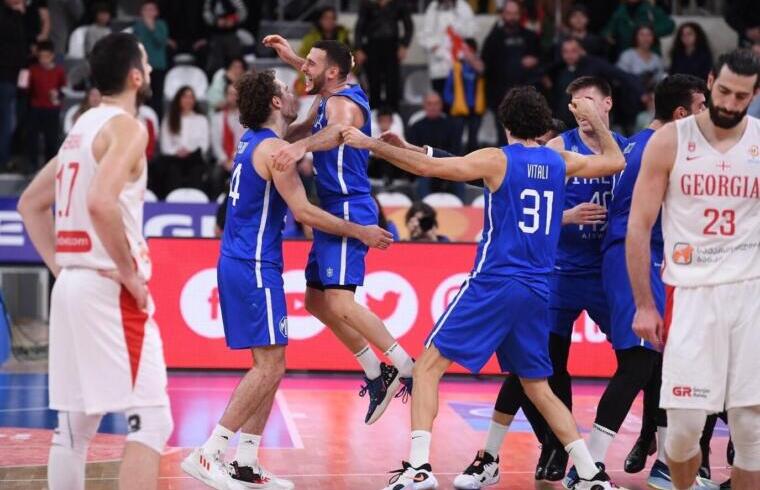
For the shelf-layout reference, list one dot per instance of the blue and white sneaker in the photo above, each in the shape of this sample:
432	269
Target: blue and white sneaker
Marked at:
572	478
659	476
381	391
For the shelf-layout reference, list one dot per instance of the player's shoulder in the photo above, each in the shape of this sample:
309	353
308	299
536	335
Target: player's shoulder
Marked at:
126	125
557	143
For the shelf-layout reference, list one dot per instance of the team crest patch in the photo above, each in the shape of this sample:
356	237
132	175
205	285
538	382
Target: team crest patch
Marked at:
284	326
241	147
629	148
682	253
330	272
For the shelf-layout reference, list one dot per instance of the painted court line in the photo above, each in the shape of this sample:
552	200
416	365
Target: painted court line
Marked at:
290	423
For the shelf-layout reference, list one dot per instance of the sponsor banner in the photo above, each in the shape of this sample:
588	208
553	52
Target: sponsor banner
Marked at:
407	286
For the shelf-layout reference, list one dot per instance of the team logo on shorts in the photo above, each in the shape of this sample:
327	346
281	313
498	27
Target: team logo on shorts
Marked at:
133	423
284	326
330	272
682	253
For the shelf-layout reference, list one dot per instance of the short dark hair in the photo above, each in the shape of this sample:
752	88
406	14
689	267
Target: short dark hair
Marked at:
558	125
111	60
255	92
525	113
580	83
424	208
45	46
338	54
740	61
639	28
385	111
675	91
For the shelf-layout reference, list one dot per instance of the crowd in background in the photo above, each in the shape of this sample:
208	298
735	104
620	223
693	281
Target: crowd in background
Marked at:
193	135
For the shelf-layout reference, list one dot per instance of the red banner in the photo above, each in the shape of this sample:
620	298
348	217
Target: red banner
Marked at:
407	286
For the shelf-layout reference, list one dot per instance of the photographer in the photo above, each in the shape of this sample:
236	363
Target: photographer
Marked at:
422	223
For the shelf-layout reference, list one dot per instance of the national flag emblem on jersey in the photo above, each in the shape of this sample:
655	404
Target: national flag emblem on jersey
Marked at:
682	253
692	146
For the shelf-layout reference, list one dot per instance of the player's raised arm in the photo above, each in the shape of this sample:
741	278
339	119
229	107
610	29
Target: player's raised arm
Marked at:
300	130
648	195
290	187
610	161
284	50
487	163
35	207
119	164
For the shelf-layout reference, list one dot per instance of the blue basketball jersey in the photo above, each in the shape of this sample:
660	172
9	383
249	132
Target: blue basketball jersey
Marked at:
580	246
620	208
255	215
342	172
523	218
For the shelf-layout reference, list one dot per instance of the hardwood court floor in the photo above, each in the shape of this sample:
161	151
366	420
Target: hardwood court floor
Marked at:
316	435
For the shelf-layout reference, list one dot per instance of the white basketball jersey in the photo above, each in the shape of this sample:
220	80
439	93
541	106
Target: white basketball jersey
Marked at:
77	244
711	212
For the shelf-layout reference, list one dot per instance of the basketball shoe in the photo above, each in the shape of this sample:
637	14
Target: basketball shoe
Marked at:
483	471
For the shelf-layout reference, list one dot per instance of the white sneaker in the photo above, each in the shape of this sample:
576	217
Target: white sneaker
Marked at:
408	478
245	477
483	471
206	468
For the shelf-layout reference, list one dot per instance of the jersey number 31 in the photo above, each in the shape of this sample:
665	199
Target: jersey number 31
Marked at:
531	201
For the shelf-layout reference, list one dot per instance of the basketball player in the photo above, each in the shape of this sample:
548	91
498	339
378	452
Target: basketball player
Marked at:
336	264
105	348
705	173
523	182
250	278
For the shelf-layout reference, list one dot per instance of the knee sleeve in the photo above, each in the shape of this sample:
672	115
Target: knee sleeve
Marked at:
684	431
75	431
150	426
744	424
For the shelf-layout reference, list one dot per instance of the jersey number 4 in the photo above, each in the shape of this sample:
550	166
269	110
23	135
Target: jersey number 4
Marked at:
531	200
235	184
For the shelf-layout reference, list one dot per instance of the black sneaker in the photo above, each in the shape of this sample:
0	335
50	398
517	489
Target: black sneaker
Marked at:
637	458
381	391
407	477
601	481
483	471
556	465
543	458
248	477
726	485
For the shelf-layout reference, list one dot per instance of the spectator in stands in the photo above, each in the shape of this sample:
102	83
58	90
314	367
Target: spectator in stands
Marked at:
46	79
744	17
184	142
223	17
37	21
631	14
187	29
223	78
511	57
422	223
383	222
465	93
382	48
98	29
645	117
691	53
435	129
640	60
558	127
65	15
576	26
378	168
325	27
153	33
599	12
445	22
91	99
149	118
754	107
14	54
226	131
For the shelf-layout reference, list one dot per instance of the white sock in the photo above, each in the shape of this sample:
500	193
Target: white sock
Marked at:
599	442
248	449
584	463
661	434
401	360
420	451
369	362
65	468
495	438
218	440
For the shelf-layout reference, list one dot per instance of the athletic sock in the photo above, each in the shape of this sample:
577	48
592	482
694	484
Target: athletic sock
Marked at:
584	463
218	440
248	449
420	451
401	360
495	438
661	434
369	362
599	442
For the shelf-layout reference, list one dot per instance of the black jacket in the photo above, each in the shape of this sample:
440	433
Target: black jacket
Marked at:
13	44
380	24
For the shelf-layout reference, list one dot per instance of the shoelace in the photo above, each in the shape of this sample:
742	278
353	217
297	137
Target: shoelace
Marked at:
396	474
476	468
404	393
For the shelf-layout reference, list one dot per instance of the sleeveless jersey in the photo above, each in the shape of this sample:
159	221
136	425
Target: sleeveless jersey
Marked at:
580	246
255	214
622	194
711	212
523	218
342	172
77	244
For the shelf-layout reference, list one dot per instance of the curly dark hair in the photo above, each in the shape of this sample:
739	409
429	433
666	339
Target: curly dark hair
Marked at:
255	92
525	113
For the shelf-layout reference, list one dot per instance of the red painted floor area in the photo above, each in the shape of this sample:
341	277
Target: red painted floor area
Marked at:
319	440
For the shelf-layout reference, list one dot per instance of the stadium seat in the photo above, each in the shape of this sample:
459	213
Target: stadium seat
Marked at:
416	85
185	75
184	59
397	126
221	197
77	76
414	118
487	132
246	38
393	199
443	200
68	118
187	195
147	112
479	202
149	196
76	43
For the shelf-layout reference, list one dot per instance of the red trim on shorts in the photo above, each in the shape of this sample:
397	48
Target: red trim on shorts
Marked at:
133	321
670	293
